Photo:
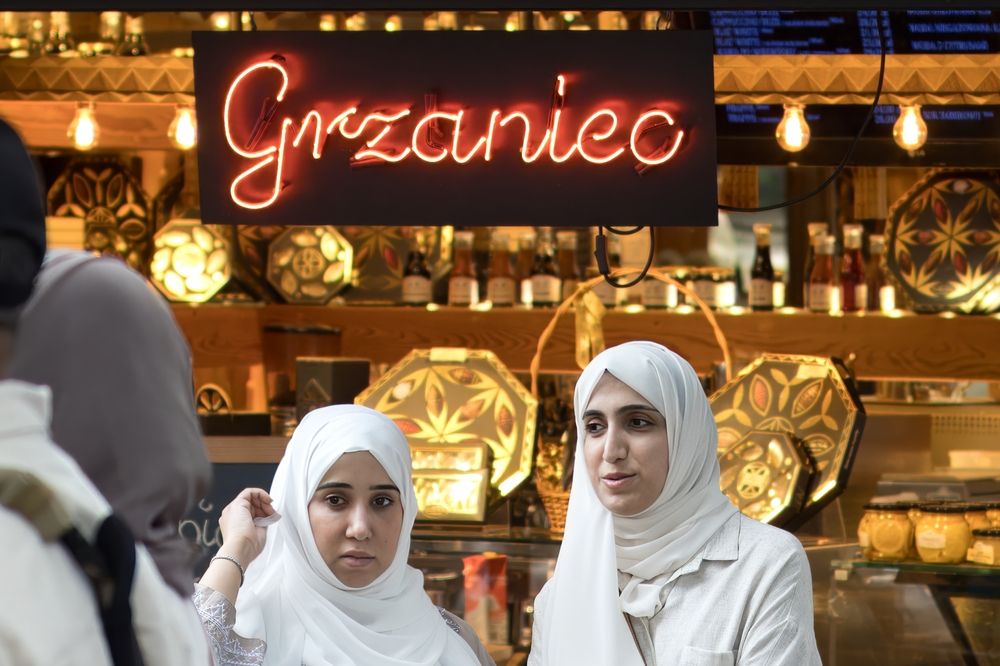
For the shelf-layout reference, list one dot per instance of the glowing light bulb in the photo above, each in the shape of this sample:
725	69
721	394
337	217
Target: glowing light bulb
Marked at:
327	22
220	21
793	130
512	23
910	130
393	23
183	131
84	130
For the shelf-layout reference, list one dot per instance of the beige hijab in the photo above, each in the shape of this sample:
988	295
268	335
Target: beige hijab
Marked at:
122	400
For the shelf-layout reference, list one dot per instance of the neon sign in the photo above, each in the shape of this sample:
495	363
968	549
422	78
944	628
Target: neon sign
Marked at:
309	127
414	143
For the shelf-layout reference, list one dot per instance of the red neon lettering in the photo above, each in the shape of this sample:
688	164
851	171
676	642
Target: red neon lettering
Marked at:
636	131
599	126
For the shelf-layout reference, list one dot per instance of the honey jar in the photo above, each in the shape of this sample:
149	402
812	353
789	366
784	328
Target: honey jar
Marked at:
942	535
975	515
888	532
985	547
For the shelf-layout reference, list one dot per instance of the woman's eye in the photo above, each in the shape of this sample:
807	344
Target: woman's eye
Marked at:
335	500
382	501
639	422
594	427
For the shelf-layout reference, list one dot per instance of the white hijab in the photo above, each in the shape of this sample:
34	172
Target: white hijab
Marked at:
583	621
292	600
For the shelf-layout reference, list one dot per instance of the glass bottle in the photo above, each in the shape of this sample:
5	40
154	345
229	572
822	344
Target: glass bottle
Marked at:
60	40
568	270
545	283
881	294
657	294
853	287
111	33
417	284
522	266
815	230
133	43
821	280
762	275
463	289
36	36
501	287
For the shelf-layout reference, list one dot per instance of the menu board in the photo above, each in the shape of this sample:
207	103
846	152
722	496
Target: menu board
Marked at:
760	32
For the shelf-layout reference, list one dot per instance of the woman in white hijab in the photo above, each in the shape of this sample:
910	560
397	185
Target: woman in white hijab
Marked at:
329	583
656	565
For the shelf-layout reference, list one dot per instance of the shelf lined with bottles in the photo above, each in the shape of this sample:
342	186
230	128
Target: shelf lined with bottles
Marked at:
897	346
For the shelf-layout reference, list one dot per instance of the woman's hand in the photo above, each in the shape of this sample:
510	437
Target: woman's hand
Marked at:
240	537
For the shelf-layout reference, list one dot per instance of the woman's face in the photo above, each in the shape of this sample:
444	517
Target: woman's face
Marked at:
356	516
625	447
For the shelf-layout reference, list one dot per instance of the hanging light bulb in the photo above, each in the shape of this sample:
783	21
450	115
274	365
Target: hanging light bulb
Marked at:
513	23
220	21
183	131
910	130
84	130
393	23
327	22
793	130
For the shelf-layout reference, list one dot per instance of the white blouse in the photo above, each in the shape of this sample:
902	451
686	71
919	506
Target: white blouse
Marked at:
744	600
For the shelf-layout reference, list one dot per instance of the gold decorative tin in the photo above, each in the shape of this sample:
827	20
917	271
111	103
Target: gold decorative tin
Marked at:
811	398
107	197
454	457
451	496
943	242
458	397
309	265
191	261
766	474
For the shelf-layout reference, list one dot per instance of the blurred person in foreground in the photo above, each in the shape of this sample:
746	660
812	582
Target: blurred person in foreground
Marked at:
89	354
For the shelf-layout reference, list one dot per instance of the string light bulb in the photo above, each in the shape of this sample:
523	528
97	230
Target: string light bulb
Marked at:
793	130
393	23
513	22
910	130
183	130
327	22
84	130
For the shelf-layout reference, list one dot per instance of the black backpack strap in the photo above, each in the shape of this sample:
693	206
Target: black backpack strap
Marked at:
109	564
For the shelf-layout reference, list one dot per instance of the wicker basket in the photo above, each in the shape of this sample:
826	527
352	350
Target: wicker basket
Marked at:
556	502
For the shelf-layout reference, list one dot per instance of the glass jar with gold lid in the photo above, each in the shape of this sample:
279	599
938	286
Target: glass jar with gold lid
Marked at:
942	535
885	532
975	515
985	547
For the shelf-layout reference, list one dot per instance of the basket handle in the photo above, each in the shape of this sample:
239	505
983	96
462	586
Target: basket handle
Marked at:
587	285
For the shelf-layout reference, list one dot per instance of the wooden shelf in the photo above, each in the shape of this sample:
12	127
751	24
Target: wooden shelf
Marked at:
905	347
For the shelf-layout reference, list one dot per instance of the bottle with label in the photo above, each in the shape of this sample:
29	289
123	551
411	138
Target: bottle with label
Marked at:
501	287
463	288
36	36
658	295
417	284
704	282
609	295
853	287
822	297
523	263
133	43
726	293
546	286
881	294
569	272
762	275
60	40
815	231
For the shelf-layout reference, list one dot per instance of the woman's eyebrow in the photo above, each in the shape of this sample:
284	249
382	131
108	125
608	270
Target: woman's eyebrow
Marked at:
384	486
335	484
632	408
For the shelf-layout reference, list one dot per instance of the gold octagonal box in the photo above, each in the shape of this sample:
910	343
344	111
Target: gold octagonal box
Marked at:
309	265
811	398
766	475
449	397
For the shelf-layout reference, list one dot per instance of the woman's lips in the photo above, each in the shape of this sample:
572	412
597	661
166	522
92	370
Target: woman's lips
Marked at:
617	481
357	560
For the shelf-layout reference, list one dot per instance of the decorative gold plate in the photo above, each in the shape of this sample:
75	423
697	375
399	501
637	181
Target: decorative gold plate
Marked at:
447	397
811	398
191	261
309	265
451	496
766	474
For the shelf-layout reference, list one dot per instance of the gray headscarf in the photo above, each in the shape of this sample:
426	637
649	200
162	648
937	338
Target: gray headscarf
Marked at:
123	407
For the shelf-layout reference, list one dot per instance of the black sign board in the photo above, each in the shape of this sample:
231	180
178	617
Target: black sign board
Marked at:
200	527
467	128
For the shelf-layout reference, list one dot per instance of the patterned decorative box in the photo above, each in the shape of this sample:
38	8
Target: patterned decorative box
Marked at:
448	397
808	398
943	242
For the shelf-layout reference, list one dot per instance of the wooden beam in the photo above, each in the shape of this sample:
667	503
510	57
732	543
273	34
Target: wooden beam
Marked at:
906	347
123	125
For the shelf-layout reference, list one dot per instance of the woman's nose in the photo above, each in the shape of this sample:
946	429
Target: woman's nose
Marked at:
359	526
615	445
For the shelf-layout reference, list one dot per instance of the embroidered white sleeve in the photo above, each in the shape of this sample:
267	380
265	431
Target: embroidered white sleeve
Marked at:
218	617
